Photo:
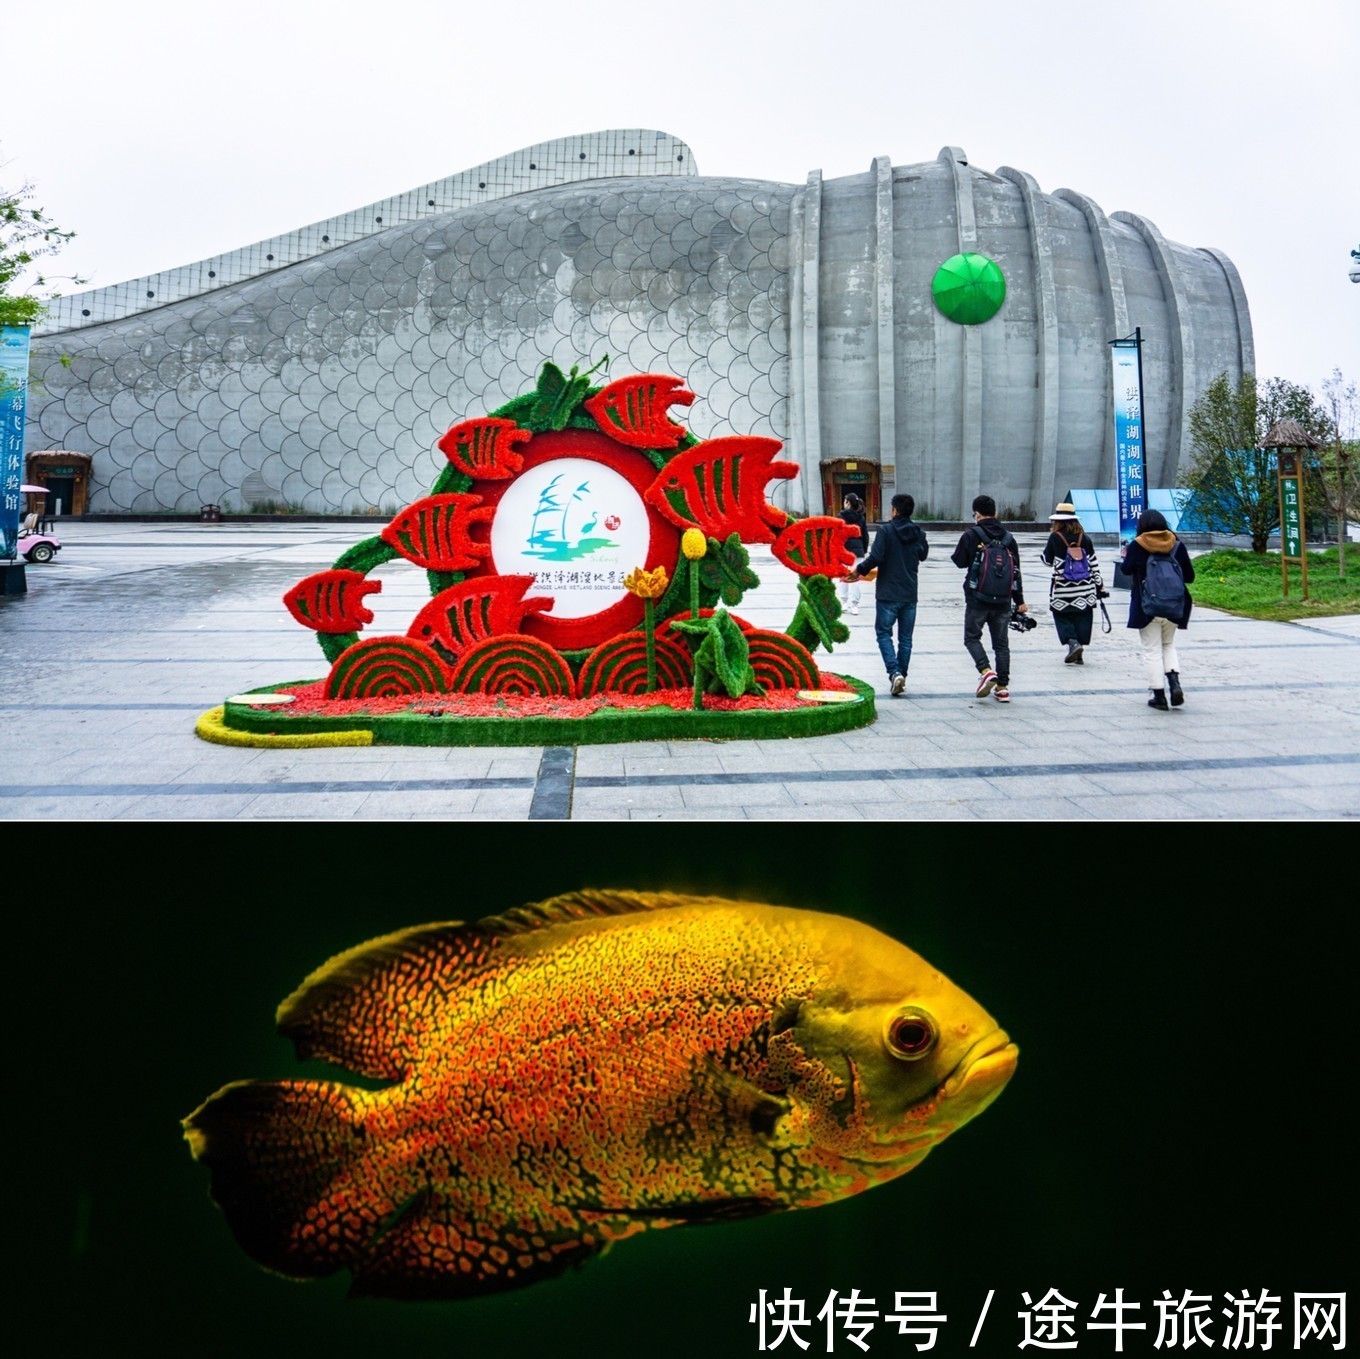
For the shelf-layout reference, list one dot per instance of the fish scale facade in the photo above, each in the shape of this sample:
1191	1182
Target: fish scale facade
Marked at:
801	312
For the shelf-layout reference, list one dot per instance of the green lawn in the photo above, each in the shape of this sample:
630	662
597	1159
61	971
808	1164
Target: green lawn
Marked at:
1249	583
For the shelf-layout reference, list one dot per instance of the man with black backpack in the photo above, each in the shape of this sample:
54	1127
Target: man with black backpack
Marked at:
991	559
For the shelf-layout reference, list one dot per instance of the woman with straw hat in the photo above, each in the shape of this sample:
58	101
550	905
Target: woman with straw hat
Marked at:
1076	584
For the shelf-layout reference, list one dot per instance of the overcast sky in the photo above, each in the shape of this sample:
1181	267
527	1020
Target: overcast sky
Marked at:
163	133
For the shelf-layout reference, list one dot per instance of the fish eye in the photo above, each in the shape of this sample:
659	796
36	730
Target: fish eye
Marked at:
911	1035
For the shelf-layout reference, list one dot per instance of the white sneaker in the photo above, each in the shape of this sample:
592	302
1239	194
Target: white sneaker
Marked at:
854	608
899	683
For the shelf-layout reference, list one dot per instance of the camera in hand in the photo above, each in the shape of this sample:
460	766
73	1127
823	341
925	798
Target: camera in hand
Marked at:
1021	622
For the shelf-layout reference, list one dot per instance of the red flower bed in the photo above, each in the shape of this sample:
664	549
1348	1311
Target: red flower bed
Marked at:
309	699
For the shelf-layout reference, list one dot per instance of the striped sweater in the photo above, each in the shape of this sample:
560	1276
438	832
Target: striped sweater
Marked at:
1064	594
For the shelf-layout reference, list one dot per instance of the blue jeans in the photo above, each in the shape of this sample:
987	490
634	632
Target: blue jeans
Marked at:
904	616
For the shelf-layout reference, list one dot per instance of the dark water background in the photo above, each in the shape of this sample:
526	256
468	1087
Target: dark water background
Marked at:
1175	1121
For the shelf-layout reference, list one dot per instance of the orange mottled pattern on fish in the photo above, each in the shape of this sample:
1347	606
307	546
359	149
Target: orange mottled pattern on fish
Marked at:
566	1075
436	532
719	486
486	448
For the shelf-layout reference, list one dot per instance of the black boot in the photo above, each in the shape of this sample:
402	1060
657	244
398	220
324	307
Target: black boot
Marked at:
1158	700
1174	683
1073	652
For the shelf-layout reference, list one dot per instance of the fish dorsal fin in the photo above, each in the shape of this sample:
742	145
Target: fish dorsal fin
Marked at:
356	1010
586	905
360	1010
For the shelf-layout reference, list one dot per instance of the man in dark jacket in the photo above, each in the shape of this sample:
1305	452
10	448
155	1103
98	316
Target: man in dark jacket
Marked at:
898	551
988	595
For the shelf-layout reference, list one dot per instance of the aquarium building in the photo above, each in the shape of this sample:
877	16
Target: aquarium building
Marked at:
317	369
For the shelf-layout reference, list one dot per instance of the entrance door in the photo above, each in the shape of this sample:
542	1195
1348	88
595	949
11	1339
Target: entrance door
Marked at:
851	475
60	495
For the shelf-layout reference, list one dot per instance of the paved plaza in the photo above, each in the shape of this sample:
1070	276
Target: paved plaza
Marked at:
139	628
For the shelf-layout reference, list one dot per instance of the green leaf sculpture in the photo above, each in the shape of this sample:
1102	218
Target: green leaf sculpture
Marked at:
726	570
677	597
815	621
722	664
558	397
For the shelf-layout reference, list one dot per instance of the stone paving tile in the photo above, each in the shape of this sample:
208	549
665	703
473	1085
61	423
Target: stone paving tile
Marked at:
624	800
1276	776
1331	801
1097	807
1142	782
1031	786
814	812
689	814
341	806
43	808
719	799
709	762
455	803
512	803
160	807
1263	804
1326	775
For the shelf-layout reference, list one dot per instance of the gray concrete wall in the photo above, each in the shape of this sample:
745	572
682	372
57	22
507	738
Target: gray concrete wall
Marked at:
802	312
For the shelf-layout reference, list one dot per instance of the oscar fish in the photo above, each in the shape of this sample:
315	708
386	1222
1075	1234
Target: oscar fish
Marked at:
569	1074
719	486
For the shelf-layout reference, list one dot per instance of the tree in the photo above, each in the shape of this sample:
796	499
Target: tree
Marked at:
27	236
1231	477
1339	463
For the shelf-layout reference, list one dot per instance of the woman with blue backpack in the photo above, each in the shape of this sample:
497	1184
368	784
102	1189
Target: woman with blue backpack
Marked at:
1076	584
1159	569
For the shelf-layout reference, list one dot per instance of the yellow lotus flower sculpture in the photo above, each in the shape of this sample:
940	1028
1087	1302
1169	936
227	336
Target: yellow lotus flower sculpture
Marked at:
646	584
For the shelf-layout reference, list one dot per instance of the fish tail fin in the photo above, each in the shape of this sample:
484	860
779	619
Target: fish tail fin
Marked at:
289	1171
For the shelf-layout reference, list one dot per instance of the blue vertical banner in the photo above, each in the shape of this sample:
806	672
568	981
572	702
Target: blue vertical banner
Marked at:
13	397
1129	461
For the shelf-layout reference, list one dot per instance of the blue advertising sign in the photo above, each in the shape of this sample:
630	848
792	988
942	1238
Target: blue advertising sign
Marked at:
1130	464
13	395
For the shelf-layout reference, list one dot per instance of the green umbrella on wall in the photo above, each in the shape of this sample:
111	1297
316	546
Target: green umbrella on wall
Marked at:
969	288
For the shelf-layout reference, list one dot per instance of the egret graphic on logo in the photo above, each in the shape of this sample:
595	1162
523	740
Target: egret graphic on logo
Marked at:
561	529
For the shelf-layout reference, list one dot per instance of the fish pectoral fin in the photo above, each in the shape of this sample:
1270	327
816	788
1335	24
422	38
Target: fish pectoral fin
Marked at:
435	1250
763	1111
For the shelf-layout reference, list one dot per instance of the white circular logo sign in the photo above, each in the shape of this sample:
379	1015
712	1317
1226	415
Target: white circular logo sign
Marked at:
578	528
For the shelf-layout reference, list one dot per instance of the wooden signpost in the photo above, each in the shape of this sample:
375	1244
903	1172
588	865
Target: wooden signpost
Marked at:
1292	521
1290	442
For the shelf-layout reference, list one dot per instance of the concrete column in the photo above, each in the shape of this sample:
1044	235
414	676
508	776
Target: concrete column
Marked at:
883	299
1162	472
1046	343
1246	349
1117	310
797	491
970	462
809	265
